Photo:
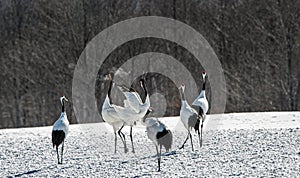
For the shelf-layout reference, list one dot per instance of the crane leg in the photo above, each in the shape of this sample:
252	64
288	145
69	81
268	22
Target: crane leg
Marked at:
201	135
62	152
185	141
115	142
122	136
158	157
191	142
131	139
199	138
57	154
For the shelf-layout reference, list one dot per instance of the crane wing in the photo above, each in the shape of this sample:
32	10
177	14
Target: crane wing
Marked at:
119	109
113	114
201	102
133	99
201	95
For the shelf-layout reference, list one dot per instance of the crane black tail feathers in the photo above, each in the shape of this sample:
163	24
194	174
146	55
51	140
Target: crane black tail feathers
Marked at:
58	137
200	116
165	138
196	127
200	113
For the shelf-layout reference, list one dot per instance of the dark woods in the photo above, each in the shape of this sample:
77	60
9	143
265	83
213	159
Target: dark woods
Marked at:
257	43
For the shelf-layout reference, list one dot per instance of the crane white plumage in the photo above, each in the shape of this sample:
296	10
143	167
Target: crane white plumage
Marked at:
188	116
203	105
134	109
159	134
110	115
133	99
60	130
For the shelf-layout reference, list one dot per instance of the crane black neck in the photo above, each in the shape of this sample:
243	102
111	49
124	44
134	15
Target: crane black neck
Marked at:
203	86
144	87
146	115
63	105
182	94
109	89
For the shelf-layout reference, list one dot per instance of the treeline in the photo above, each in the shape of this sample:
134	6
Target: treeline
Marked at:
257	43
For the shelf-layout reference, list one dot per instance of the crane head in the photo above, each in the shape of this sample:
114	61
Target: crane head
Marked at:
108	77
63	98
203	74
182	86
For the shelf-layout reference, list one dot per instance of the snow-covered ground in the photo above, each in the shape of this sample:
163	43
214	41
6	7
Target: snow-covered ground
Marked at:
237	144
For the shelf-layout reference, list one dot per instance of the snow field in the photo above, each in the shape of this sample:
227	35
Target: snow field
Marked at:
269	150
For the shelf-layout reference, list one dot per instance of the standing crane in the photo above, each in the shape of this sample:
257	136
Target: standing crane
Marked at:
60	130
158	133
134	109
110	115
189	117
202	103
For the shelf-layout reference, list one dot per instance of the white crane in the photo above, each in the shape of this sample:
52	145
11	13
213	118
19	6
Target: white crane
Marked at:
110	115
134	109
202	103
188	116
60	130
158	133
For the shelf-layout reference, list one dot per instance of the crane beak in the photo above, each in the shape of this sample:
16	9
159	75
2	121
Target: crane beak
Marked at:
141	83
66	99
